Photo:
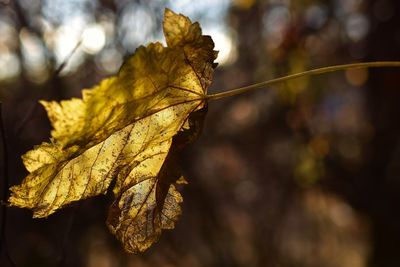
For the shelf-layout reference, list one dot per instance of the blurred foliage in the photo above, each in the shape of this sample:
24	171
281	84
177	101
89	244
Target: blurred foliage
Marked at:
304	174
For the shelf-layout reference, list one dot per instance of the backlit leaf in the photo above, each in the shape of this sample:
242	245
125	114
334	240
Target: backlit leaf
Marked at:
131	127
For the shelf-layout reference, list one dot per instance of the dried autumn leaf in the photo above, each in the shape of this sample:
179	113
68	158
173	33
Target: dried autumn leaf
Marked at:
130	128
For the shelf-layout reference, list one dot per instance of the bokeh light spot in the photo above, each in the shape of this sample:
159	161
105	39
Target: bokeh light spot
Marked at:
93	39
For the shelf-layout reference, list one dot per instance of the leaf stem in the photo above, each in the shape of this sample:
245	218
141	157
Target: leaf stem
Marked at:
245	89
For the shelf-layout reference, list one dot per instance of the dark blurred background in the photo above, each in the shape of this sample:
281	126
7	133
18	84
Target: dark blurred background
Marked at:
303	174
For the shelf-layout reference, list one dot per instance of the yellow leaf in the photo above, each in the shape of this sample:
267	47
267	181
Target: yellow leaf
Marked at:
130	128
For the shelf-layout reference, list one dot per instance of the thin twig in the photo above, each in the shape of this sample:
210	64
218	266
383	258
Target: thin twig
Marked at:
242	90
66	60
3	208
35	106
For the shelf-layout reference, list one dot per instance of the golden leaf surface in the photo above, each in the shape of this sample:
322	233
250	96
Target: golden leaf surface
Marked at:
130	128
